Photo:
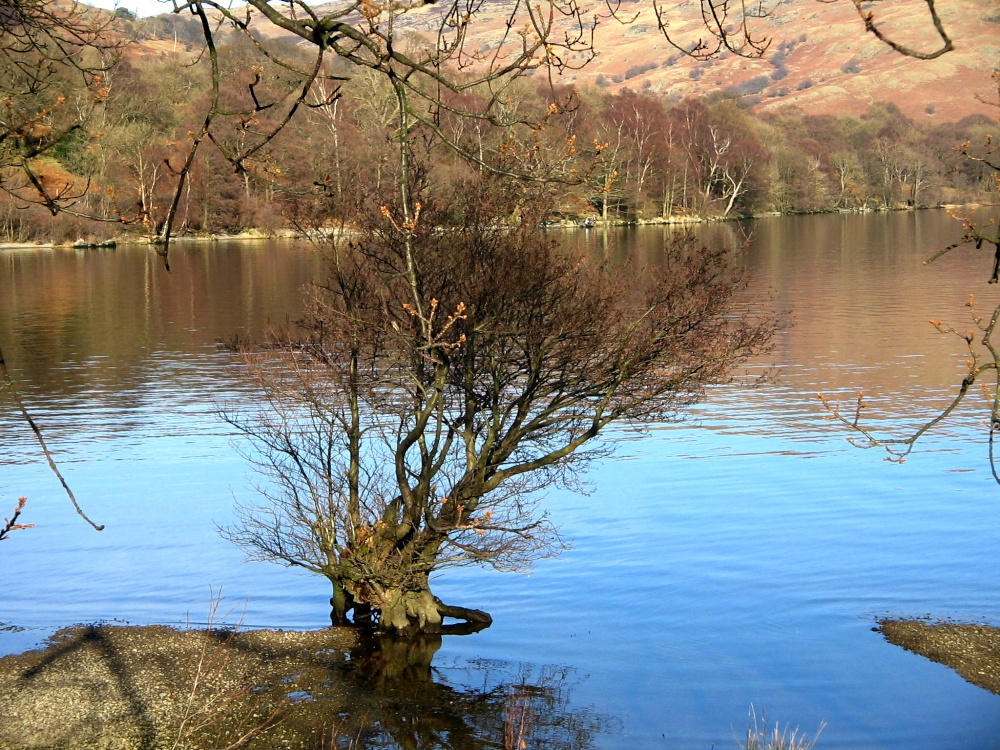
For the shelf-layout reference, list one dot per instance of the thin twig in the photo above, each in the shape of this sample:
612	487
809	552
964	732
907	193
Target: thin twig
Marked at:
41	441
12	524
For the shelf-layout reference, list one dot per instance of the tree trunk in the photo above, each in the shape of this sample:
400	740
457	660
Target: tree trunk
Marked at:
409	612
404	612
340	604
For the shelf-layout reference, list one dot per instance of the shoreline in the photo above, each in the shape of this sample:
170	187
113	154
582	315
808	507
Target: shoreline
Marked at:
581	223
155	686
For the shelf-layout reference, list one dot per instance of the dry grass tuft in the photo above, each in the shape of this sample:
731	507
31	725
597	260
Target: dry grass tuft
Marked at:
760	737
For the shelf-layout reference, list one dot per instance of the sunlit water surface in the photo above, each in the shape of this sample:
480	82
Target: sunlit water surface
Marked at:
740	558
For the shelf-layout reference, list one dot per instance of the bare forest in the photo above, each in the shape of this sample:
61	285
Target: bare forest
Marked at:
107	140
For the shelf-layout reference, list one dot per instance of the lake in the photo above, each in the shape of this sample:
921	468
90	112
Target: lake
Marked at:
739	558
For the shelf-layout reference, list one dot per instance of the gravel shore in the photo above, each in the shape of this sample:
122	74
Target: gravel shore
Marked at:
971	650
126	688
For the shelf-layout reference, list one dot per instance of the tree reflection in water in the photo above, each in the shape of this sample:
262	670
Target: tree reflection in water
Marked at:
466	706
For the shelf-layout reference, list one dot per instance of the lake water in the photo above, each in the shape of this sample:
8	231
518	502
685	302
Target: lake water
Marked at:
740	558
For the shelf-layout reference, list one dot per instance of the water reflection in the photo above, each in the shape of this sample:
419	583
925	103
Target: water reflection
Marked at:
466	705
105	345
71	319
102	342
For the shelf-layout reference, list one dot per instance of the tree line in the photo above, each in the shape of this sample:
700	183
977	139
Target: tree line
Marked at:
622	156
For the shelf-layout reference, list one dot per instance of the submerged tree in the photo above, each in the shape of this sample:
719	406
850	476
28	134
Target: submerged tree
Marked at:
449	369
456	363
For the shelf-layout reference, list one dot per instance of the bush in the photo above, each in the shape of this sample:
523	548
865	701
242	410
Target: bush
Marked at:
754	86
638	70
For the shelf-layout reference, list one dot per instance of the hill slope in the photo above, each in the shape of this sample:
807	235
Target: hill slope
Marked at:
820	58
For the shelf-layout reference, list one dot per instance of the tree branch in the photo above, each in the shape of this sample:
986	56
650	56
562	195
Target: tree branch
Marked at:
9	384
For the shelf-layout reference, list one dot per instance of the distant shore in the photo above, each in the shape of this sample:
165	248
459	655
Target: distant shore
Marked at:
567	223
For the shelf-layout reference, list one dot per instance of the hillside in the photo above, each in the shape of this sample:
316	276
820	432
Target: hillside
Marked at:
822	61
820	58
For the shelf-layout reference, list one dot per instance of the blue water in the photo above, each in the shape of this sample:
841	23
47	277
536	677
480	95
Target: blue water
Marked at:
739	558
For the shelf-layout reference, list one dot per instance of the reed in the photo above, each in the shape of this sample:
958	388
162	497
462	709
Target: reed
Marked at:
759	736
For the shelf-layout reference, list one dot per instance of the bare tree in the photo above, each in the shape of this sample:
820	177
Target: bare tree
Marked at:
448	372
455	363
423	53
